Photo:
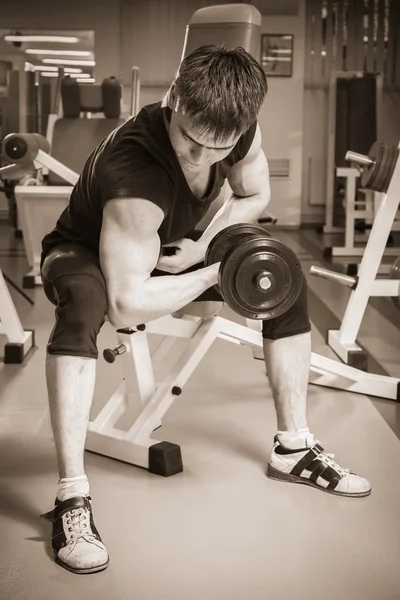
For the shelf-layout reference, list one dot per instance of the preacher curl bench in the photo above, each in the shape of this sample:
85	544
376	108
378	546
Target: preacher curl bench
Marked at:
146	400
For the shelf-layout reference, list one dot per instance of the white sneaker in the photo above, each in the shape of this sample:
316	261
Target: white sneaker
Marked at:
313	466
76	543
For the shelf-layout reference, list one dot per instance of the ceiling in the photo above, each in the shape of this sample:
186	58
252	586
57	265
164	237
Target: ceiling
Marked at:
11	50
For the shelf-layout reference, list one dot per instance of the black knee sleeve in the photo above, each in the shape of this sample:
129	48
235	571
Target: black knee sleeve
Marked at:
293	322
81	307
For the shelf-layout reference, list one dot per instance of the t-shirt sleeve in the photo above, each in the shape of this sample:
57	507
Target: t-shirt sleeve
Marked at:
131	172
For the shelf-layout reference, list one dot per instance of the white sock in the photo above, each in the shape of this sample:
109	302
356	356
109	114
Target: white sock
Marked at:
69	487
297	439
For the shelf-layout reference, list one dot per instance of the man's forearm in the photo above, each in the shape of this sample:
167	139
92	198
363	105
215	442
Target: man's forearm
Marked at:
160	296
235	210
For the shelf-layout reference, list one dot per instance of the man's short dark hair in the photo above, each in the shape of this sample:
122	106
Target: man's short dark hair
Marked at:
222	90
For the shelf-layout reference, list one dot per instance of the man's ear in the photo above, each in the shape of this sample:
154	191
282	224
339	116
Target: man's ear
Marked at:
173	99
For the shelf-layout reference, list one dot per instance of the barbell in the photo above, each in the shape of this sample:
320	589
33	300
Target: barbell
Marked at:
377	167
259	276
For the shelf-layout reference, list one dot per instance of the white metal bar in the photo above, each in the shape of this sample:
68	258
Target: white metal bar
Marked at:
164	351
135	91
340	348
113	444
184	327
45	160
331	373
111	412
157	406
138	371
360	251
385	287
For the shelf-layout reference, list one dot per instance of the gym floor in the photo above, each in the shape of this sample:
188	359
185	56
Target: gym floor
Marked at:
221	530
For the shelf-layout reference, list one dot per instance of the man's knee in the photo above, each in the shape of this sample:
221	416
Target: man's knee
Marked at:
293	322
83	296
81	310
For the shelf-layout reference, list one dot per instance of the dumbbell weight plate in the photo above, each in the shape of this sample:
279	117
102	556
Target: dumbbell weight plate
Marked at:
229	237
241	268
395	274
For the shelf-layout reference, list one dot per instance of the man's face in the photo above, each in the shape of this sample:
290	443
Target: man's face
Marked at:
196	150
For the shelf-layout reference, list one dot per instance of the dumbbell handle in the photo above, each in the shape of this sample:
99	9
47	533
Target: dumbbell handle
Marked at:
333	276
359	159
110	354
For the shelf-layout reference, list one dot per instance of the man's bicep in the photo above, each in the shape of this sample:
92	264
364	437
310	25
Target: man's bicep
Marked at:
250	176
129	244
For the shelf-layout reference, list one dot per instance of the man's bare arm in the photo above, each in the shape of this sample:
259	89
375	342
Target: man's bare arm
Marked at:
249	181
129	251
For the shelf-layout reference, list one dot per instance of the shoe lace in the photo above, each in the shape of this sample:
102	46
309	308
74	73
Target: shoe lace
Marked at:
77	524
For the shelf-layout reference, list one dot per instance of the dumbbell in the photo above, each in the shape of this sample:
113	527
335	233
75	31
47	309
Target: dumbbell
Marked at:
377	167
259	276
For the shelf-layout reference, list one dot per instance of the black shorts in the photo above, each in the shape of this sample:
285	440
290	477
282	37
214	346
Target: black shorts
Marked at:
73	282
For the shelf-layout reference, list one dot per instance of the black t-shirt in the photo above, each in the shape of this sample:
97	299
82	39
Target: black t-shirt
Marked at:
137	160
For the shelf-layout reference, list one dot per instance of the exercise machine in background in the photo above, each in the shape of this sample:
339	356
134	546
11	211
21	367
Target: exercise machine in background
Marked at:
42	193
355	106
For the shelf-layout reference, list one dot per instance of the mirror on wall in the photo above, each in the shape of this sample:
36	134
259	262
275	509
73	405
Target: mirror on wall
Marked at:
32	61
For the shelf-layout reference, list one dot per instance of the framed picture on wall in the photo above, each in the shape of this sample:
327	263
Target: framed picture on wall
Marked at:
277	54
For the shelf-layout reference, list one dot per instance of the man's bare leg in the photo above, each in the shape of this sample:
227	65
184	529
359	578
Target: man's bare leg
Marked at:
288	367
70	385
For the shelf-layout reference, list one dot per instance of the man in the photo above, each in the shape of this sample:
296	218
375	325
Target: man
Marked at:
146	187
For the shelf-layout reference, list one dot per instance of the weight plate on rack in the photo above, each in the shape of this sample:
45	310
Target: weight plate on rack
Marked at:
377	176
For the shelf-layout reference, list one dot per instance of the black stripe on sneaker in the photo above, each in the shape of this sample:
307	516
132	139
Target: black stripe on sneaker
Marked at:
317	467
326	472
307	460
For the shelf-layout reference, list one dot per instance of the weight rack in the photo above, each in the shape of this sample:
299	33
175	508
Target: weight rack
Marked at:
366	284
